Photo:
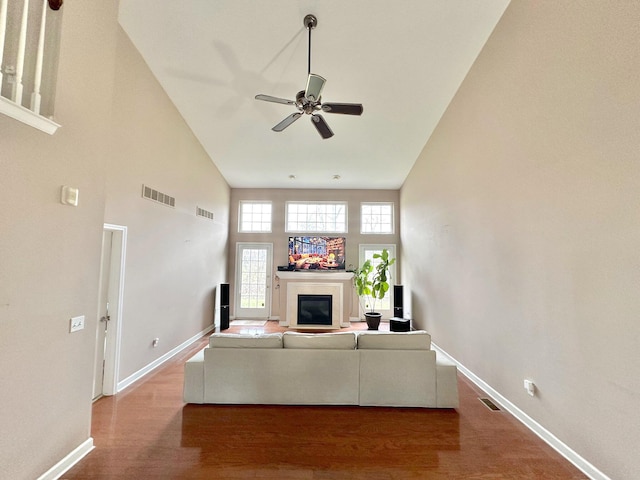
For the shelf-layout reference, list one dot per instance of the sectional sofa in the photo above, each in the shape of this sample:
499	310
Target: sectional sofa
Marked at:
342	368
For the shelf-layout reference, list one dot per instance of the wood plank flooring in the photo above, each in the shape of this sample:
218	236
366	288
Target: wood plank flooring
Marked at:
147	432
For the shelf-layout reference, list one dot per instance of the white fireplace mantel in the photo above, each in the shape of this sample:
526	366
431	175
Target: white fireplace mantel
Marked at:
314	275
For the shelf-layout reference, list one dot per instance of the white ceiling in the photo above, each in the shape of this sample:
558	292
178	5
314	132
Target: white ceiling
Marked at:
403	60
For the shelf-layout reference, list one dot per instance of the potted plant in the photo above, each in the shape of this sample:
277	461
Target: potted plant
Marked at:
372	283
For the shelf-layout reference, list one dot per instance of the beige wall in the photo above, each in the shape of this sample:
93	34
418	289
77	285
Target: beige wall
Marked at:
119	131
279	238
175	259
521	224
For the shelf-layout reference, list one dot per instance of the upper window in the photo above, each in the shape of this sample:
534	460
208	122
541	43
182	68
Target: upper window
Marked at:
317	217
254	217
376	217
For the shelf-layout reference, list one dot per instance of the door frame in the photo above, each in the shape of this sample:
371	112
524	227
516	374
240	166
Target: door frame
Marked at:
116	290
269	277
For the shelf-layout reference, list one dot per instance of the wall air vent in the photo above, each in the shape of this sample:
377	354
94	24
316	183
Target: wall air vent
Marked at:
201	212
156	196
489	404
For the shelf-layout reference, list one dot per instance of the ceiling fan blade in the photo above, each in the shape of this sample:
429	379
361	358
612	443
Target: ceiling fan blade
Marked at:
344	108
322	127
315	83
286	122
269	98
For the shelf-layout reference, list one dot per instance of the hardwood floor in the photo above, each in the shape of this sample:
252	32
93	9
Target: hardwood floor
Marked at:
147	432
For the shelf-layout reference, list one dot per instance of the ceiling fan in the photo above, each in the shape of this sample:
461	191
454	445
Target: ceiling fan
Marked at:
309	100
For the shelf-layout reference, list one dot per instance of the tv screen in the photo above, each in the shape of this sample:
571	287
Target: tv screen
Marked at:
316	253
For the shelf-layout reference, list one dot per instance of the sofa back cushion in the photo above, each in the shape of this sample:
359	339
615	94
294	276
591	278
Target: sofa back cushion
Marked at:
416	340
332	341
239	340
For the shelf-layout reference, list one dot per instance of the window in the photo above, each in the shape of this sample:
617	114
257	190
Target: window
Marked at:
376	218
255	217
317	217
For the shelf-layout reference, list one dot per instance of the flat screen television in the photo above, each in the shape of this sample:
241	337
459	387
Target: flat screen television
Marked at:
316	253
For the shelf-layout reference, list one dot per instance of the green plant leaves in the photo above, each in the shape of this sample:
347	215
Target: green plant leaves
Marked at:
374	282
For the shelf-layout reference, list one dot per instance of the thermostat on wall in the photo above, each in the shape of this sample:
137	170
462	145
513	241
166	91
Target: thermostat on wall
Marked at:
69	196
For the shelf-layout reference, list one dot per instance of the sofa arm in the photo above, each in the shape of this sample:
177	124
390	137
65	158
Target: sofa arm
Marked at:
193	391
446	383
397	378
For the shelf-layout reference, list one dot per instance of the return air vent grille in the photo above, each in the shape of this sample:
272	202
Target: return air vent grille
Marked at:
489	404
156	196
201	212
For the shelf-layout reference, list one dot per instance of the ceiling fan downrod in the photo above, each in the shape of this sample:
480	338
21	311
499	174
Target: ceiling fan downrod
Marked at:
310	22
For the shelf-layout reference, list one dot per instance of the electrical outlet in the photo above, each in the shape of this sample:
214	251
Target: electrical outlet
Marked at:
530	387
76	323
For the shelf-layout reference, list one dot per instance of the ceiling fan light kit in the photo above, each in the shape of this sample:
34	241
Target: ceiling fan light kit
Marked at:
309	100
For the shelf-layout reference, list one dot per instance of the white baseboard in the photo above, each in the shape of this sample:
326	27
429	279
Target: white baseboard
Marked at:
69	461
159	361
562	448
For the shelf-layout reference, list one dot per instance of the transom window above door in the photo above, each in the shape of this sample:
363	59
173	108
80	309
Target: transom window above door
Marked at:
376	217
254	216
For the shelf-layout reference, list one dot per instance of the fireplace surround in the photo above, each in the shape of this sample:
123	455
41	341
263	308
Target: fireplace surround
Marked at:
308	289
338	285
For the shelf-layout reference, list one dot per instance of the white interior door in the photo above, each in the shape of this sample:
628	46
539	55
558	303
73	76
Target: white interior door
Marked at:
103	313
107	351
253	280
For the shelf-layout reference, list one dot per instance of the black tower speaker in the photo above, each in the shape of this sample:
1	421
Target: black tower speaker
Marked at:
397	301
224	306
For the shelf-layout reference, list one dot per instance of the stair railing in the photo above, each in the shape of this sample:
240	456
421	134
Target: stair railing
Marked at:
27	40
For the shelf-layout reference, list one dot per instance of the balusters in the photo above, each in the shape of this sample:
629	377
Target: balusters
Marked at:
3	30
35	96
16	94
23	36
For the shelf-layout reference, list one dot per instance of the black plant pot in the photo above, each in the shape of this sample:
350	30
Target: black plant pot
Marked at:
373	320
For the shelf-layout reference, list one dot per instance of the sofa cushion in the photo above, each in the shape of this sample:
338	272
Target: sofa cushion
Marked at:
239	340
416	340
332	341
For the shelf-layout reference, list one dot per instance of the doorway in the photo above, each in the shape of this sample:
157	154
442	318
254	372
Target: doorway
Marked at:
253	280
111	287
366	252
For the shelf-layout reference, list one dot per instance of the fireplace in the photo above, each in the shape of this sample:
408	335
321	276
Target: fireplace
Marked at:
314	305
315	309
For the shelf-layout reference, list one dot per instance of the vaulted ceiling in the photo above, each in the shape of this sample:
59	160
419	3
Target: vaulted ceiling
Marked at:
403	60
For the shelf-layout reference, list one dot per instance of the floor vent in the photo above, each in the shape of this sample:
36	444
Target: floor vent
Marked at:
201	212
489	404
156	196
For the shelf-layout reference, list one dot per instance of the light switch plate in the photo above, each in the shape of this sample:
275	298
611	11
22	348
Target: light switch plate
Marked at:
530	387
76	323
